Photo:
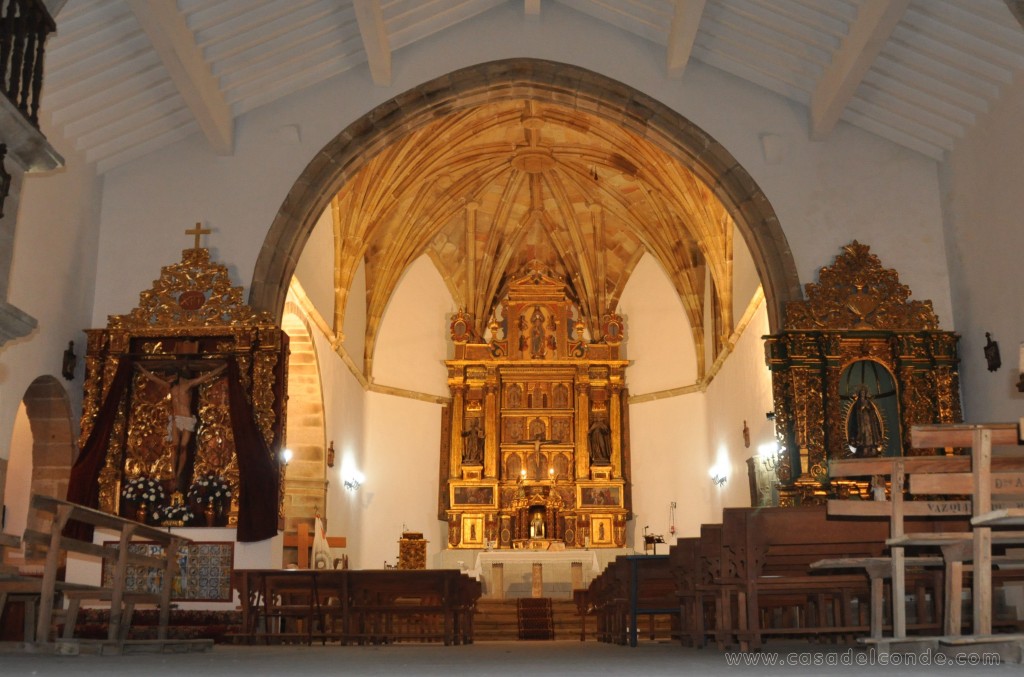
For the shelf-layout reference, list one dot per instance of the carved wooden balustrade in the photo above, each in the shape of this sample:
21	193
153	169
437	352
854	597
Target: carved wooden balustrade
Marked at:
24	25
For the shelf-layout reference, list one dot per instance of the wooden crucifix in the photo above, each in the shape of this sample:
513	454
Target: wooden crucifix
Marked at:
303	541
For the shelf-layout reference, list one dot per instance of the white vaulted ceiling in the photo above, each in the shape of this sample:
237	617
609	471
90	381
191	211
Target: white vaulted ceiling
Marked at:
127	77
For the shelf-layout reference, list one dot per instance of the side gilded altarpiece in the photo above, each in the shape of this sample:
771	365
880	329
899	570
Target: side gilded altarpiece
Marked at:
201	455
535	451
855	367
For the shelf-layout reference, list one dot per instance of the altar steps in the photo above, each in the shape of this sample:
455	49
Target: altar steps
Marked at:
498	620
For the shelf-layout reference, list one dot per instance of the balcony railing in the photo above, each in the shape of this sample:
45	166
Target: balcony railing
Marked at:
24	25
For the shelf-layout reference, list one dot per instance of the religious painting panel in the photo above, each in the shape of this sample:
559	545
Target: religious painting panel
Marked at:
473	496
473	530
602	531
598	496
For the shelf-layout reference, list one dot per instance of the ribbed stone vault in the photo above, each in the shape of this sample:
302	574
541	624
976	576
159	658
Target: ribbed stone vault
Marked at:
485	190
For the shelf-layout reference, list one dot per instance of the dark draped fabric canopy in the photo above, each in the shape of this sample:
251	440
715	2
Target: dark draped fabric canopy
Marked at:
258	471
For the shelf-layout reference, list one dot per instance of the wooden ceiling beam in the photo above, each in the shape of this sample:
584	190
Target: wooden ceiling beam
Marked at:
682	34
375	40
176	46
875	22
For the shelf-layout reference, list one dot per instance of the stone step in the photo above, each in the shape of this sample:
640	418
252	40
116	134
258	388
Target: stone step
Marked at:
498	620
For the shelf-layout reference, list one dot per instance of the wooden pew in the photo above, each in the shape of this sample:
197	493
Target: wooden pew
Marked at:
630	587
357	606
944	529
48	590
773	549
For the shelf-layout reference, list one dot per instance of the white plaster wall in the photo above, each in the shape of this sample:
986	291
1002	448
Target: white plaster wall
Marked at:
984	204
413	339
315	268
18	487
669	447
659	340
401	468
744	278
52	279
741	391
852	185
345	425
825	193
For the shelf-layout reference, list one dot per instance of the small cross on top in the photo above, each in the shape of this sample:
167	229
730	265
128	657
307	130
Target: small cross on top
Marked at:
198	231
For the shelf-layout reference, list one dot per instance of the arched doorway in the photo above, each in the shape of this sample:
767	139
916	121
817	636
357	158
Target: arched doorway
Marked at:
542	81
305	493
42	450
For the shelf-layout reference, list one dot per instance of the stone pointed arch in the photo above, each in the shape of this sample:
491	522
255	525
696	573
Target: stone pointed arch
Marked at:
48	410
539	80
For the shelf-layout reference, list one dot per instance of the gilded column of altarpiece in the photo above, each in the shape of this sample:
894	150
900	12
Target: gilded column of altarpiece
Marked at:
191	322
535	452
856	365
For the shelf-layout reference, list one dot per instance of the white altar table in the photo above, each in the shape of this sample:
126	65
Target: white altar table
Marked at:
519	572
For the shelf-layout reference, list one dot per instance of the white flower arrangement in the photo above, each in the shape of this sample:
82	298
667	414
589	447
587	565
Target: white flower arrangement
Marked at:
174	515
209	488
143	490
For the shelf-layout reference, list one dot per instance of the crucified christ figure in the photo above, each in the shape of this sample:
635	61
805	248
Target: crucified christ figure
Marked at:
537	438
178	389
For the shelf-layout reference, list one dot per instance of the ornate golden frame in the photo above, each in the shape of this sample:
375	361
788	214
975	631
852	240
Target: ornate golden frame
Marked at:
857	311
191	314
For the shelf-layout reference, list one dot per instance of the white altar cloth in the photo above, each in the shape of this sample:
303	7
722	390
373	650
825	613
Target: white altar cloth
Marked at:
518	571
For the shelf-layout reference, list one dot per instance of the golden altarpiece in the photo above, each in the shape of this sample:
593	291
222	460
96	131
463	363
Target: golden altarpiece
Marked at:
856	365
535	451
192	324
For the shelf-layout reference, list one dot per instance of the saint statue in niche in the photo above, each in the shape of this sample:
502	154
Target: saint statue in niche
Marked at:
473	445
537	336
865	431
537	526
600	442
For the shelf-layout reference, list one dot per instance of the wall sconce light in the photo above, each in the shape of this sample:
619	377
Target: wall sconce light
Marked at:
286	457
770	415
330	455
351	478
770	455
719	480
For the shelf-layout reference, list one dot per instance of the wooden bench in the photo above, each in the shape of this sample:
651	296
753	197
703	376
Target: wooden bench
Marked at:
357	606
630	587
980	478
771	552
48	592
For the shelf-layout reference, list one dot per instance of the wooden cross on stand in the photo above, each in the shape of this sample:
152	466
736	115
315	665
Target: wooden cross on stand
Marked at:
302	539
198	231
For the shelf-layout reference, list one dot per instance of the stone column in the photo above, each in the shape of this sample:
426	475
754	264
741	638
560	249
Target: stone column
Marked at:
615	423
491	446
582	425
458	407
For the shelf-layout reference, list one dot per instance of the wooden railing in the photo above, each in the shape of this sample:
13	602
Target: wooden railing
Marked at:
24	25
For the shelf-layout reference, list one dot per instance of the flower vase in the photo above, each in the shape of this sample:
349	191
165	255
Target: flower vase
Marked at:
211	515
